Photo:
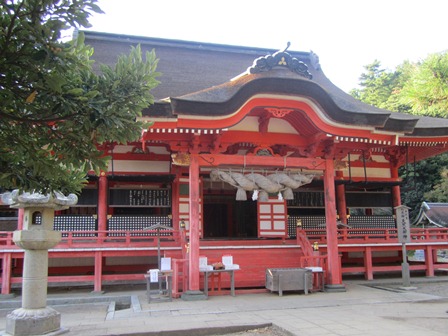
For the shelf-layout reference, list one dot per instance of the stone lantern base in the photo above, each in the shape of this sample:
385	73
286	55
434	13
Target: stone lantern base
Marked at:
36	237
27	322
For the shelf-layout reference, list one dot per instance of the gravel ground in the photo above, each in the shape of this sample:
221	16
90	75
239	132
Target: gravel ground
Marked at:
268	331
436	288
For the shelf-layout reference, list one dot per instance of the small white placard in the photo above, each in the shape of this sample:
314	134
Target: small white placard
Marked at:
227	260
203	261
165	264
153	275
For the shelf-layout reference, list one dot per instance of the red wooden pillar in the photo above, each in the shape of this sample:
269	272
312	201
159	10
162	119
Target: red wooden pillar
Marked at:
193	257
429	261
175	203
102	203
342	205
334	269
368	264
6	273
97	282
396	197
20	219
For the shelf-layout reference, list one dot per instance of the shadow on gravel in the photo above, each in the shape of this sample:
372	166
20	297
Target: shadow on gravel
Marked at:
267	329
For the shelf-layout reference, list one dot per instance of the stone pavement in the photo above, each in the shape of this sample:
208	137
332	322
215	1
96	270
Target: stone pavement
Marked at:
366	308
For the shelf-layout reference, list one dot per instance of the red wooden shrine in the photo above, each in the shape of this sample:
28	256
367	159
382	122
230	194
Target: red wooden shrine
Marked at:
213	167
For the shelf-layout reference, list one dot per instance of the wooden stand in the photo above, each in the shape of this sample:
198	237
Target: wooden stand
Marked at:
160	290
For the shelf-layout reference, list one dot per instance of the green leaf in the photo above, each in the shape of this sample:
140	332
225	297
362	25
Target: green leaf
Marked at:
72	104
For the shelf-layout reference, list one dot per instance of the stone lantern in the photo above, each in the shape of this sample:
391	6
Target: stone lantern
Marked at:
37	236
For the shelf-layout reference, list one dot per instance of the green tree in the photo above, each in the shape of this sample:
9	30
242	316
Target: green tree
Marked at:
380	87
439	193
56	112
420	179
426	91
397	91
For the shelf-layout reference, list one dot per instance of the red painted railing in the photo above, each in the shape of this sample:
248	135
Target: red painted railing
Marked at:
138	238
111	239
360	236
6	239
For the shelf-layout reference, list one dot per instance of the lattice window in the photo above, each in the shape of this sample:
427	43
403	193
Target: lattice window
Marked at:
377	222
75	223
371	222
355	222
308	222
137	223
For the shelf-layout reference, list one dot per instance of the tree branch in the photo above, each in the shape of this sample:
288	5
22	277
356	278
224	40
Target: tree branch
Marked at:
11	27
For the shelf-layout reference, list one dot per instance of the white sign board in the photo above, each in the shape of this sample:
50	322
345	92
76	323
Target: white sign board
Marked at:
165	264
403	225
153	275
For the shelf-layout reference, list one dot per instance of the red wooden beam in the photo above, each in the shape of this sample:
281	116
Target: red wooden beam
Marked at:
215	160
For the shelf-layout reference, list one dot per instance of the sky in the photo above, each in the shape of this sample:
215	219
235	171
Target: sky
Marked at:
345	34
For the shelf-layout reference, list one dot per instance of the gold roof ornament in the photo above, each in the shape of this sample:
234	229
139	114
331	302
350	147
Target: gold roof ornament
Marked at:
181	159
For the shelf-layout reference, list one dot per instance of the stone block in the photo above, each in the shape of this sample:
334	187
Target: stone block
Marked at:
26	322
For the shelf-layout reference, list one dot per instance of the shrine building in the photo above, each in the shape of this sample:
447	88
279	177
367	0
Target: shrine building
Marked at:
252	153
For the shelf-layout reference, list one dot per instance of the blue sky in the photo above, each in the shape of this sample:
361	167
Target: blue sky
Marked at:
346	34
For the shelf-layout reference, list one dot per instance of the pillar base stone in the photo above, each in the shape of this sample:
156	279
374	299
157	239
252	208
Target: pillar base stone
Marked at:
192	295
27	322
335	288
93	293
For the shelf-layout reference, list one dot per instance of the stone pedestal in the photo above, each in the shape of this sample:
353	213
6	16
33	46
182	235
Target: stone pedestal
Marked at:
34	322
191	295
37	236
335	288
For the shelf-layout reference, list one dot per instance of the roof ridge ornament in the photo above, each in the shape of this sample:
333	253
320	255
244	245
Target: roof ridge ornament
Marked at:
280	58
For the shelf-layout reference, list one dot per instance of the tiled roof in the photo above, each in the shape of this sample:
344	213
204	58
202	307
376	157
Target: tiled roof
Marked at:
434	214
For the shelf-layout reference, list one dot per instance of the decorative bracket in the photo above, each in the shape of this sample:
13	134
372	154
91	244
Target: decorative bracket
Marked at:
278	112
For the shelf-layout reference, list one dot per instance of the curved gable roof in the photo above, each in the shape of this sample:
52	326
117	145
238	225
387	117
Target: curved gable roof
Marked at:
339	106
189	66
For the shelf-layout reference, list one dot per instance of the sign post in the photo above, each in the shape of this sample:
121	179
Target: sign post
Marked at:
404	236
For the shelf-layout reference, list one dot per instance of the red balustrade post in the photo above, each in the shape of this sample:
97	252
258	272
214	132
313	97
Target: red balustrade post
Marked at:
368	264
429	260
97	281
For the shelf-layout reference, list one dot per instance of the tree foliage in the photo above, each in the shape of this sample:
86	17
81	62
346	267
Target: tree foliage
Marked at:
419	179
427	91
377	85
381	88
56	112
439	193
422	89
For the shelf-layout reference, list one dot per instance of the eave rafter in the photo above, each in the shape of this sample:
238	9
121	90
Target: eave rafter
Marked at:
317	135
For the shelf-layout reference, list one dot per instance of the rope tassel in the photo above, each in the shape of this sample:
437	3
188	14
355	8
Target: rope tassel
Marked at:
241	195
